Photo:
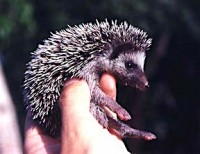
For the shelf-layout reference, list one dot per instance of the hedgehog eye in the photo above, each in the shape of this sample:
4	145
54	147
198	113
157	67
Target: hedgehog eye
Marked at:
130	65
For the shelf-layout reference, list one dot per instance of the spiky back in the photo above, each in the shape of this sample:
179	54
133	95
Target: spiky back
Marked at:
63	56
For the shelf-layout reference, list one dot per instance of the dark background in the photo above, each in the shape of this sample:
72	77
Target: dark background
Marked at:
170	108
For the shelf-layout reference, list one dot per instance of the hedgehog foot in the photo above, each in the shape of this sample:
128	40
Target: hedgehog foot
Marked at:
126	131
116	108
101	99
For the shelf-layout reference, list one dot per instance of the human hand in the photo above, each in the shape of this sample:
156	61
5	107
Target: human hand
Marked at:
80	133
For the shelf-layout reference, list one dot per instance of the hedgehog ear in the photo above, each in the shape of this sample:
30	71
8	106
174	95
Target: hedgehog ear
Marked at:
121	48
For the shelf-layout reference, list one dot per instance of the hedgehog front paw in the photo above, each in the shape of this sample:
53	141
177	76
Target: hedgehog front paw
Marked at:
116	108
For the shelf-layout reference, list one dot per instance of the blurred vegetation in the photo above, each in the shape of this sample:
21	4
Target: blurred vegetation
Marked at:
170	107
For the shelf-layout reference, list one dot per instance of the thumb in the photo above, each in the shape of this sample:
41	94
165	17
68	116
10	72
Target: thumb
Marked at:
75	98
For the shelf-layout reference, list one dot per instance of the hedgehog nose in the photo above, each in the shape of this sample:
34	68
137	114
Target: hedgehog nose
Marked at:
146	84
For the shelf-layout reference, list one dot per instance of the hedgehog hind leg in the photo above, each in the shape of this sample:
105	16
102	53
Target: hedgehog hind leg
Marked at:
126	131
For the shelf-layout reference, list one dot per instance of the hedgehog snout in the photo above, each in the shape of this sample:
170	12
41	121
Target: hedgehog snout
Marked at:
142	83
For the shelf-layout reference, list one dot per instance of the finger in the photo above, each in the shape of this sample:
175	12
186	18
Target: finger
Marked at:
75	96
108	85
77	123
74	104
35	139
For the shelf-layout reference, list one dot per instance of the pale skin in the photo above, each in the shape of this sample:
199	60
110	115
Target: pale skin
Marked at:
80	133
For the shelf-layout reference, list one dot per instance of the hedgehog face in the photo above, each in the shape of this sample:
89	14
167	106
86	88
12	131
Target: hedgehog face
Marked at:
128	68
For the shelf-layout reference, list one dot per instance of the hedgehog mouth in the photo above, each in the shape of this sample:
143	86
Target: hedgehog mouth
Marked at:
138	86
141	87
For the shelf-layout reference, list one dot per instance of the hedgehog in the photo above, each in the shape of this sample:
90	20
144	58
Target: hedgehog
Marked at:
86	51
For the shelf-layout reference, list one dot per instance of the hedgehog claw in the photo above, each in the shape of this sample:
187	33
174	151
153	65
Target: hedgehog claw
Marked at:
123	114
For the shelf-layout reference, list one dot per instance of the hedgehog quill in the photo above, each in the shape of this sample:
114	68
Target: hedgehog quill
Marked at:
86	51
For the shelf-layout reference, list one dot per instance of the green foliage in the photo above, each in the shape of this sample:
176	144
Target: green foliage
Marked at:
15	14
6	27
